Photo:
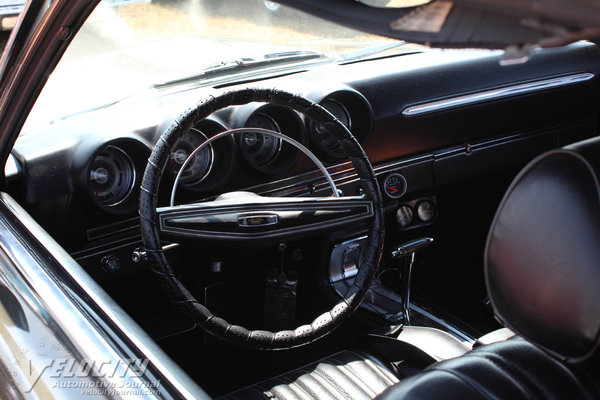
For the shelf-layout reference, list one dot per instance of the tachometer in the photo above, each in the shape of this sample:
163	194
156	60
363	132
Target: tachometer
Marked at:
394	185
112	176
200	166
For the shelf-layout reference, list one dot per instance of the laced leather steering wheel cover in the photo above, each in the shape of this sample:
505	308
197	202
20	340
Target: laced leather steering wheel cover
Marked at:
185	301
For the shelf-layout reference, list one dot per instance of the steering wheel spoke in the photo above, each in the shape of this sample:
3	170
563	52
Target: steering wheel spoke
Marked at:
243	216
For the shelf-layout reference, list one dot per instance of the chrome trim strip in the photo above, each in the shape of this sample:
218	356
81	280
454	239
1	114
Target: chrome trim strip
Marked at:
494	94
53	330
106	248
341	174
61	305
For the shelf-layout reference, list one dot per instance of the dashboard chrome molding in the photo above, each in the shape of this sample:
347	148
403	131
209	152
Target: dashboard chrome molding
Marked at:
495	94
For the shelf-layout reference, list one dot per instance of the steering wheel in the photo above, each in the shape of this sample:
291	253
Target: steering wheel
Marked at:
247	216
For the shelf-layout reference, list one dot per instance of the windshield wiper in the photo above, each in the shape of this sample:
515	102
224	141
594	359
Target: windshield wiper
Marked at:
355	55
266	60
247	64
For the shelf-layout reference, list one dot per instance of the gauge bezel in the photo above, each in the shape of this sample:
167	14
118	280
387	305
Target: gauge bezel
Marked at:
276	148
398	195
225	161
186	181
288	122
360	122
128	170
135	153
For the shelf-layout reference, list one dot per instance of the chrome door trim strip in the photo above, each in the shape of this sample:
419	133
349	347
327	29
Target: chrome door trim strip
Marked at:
55	296
495	94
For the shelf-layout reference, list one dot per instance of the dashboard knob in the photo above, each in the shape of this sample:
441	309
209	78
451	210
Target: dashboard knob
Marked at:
110	263
426	211
404	216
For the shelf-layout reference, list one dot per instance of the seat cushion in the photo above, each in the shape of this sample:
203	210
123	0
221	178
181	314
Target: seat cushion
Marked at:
348	374
512	369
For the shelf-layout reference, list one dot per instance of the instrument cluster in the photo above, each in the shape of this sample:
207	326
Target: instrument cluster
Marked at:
116	168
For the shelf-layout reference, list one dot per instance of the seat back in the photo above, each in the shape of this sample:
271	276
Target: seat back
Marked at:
542	260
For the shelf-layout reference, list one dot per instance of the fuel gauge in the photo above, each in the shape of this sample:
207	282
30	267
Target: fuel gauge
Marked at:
394	185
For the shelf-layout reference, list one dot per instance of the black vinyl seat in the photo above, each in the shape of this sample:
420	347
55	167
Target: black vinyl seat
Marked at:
542	268
514	369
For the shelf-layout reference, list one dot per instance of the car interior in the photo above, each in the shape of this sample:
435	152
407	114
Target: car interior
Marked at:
411	226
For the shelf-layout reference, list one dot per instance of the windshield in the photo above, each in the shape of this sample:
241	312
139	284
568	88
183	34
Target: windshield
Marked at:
129	46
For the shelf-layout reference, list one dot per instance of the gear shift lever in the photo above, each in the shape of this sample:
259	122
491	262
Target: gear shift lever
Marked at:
407	252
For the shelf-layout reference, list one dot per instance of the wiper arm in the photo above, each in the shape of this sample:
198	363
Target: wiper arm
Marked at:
244	64
226	66
266	60
355	55
293	54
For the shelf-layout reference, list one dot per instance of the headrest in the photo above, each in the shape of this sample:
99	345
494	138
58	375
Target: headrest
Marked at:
542	258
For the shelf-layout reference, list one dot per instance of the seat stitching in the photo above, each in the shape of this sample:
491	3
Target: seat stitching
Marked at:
376	363
372	363
304	387
333	384
355	380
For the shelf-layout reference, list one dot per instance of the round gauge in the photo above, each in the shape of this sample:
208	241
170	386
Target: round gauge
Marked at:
200	165
426	210
112	176
328	142
394	185
259	149
404	216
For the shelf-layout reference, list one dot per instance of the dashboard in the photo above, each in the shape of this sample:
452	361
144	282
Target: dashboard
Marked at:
425	120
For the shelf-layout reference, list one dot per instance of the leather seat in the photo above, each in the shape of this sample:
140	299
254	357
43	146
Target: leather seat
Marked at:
514	369
542	269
